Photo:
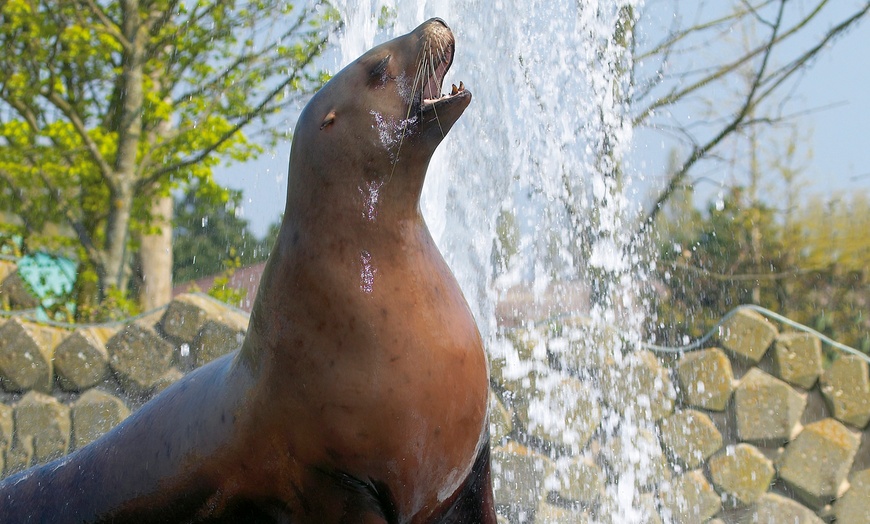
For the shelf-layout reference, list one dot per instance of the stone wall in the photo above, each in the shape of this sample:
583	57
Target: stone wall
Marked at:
63	387
762	427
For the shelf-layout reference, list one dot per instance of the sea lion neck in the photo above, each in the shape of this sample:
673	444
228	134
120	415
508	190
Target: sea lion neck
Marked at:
359	195
339	225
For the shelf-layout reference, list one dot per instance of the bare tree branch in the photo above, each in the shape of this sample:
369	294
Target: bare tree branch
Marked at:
699	152
245	58
764	85
675	38
797	64
720	72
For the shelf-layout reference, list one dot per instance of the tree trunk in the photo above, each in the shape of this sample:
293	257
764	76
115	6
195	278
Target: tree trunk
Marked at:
117	230
155	258
116	261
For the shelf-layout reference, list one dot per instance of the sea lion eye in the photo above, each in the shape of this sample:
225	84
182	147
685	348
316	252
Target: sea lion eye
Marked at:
328	120
380	70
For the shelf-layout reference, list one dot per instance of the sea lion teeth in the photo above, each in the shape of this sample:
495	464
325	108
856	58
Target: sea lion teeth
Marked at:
455	90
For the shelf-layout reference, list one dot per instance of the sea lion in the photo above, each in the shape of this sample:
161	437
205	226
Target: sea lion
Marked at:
359	394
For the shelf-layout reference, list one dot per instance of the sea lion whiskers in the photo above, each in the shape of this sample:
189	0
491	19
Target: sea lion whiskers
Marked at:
435	75
428	78
418	79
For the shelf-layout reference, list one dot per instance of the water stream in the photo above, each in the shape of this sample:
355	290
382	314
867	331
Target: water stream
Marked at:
529	195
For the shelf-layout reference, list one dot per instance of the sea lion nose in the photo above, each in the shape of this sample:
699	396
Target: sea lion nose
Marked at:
438	20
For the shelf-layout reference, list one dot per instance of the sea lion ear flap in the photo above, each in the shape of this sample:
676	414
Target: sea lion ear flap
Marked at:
328	120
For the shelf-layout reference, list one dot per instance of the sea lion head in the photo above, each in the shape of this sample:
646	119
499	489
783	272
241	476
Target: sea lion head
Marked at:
382	116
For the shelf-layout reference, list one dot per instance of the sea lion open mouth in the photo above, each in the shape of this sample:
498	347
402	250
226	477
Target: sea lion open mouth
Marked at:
436	59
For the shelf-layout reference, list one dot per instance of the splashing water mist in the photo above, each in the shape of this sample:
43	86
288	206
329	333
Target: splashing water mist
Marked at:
528	196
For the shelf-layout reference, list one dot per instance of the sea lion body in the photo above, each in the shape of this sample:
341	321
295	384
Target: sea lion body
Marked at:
360	392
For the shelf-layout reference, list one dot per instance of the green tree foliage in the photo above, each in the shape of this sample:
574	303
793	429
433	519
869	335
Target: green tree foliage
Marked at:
106	105
812	267
209	237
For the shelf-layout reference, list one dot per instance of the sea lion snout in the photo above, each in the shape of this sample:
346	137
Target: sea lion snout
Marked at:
437	20
437	29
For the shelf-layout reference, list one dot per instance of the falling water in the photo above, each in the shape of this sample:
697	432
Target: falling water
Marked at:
528	197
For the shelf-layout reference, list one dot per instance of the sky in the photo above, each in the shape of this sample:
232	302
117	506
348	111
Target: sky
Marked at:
833	94
841	134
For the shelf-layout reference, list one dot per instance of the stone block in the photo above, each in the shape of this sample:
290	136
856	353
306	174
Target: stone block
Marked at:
7	433
46	423
742	473
846	387
854	506
500	419
797	358
690	438
518	476
640	385
560	410
580	480
20	455
171	376
95	413
16	293
527	344
689	499
547	513
640	454
776	509
497	365
706	379
81	361
647	506
584	346
620	507
216	339
26	356
139	357
747	335
767	409
186	315
817	462
517	390
512	365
